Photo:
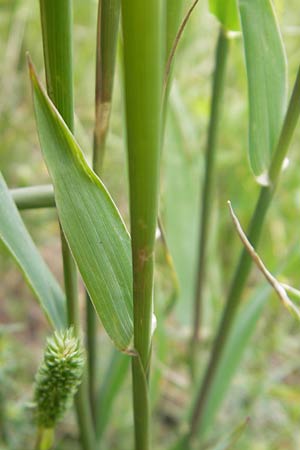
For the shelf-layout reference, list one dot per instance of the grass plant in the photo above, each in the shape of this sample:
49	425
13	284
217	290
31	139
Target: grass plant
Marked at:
131	285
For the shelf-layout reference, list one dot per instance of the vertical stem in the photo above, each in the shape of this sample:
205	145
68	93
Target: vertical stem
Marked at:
92	356
244	265
143	57
209	168
3	431
34	197
232	303
107	36
56	18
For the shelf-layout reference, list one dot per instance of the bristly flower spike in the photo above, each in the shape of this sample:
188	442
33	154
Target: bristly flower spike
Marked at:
58	378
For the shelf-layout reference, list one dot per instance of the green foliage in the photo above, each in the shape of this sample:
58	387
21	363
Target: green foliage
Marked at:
18	242
265	385
58	378
267	81
226	12
90	221
56	20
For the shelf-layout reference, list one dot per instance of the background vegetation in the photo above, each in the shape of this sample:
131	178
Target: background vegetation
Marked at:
266	386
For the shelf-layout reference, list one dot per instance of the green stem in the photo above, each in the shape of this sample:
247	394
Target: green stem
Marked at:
244	265
107	36
34	197
56	19
3	430
92	356
207	189
143	72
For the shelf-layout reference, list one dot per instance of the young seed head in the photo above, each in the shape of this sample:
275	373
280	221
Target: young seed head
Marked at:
58	377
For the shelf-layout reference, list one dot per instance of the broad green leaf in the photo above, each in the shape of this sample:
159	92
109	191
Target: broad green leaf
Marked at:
18	242
267	81
226	12
90	220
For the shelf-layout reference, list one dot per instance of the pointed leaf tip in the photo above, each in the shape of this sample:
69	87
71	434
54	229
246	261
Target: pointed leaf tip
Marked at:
92	225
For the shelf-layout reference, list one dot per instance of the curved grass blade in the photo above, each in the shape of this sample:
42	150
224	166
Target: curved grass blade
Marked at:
267	81
230	441
226	12
18	242
90	220
239	338
114	378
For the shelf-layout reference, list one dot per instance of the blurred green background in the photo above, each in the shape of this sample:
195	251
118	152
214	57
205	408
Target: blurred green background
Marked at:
266	387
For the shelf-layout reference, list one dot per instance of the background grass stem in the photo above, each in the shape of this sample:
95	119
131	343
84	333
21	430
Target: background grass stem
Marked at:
107	35
207	188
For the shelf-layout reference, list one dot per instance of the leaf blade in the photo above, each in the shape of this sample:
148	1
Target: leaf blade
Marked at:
93	227
267	80
20	245
226	12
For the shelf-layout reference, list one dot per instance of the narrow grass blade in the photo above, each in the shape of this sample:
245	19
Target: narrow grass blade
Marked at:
113	380
18	242
180	174
226	12
267	81
238	340
230	442
91	222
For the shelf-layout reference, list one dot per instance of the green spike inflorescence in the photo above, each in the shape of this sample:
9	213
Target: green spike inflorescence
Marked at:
58	377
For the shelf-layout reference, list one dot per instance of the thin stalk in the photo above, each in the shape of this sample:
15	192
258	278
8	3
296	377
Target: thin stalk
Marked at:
143	71
172	50
209	169
174	32
244	265
56	19
107	36
92	355
3	428
34	197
